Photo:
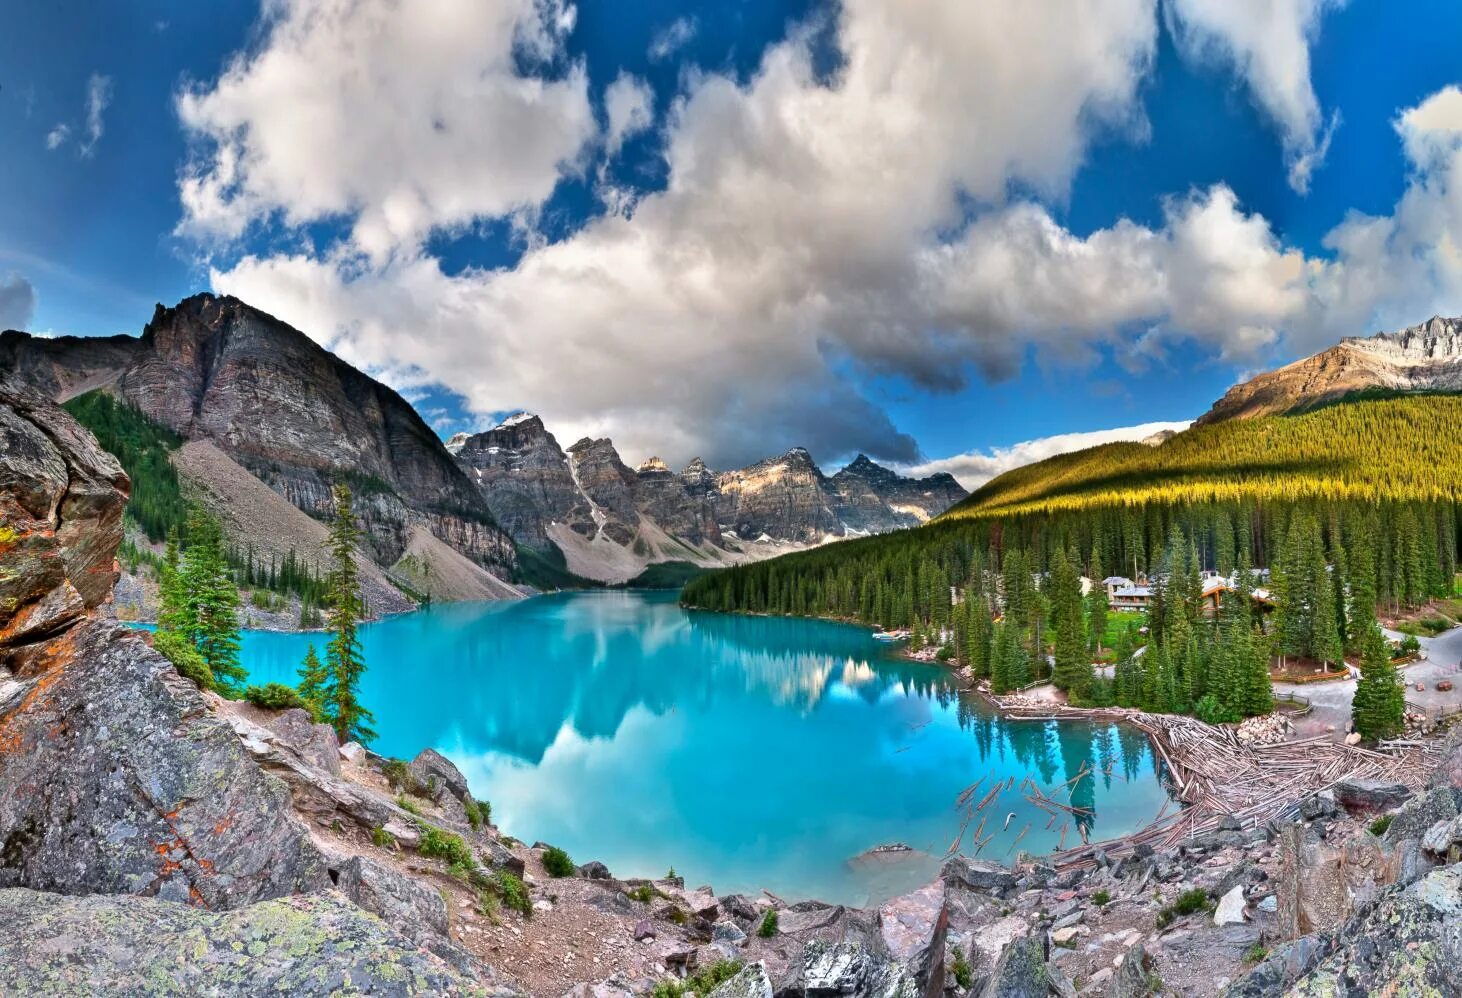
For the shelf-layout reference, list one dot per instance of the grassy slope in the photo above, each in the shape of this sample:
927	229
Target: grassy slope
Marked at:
1400	448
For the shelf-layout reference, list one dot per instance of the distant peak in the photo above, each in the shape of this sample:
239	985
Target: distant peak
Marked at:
517	419
457	441
653	464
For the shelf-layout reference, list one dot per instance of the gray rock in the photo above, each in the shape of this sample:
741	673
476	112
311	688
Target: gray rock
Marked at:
751	982
1277	972
353	753
594	870
315	744
1440	837
406	904
977	875
728	932
1420	813
149	794
1410	942
1370	796
1230	910
1130	980
797	919
741	907
116	946
1319	806
850	967
62	497
913	928
438	776
1021	972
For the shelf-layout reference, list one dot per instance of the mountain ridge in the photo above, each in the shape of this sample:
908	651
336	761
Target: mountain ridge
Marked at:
585	497
1426	357
286	409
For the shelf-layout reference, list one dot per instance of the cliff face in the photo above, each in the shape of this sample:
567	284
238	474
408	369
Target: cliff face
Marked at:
587	498
1427	357
523	476
875	499
286	409
785	498
119	787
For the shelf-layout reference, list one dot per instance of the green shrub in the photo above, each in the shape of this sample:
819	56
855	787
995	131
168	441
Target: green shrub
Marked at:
1101	898
702	982
964	974
479	812
400	777
678	916
768	926
1255	953
557	862
382	838
408	805
1379	826
513	893
185	657
274	696
437	844
643	894
1191	902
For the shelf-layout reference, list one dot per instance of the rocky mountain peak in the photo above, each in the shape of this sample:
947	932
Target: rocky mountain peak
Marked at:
1436	341
653	466
1421	358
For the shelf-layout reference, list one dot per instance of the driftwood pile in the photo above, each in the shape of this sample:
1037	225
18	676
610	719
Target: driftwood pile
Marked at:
1215	776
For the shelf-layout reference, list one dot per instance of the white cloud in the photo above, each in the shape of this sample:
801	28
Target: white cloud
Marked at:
629	104
98	98
808	226
975	468
787	237
404	118
674	37
1268	43
17	302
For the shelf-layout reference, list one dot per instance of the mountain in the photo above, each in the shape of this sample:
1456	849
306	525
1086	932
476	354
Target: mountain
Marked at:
610	521
285	409
1423	358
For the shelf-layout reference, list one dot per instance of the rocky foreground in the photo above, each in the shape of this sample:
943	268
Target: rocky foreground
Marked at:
158	840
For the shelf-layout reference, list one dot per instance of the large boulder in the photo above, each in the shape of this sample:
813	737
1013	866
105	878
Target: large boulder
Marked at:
852	968
750	982
914	928
1421	813
1409	943
61	499
438	777
1021	972
1371	796
115	779
1280	969
1131	978
115	946
977	875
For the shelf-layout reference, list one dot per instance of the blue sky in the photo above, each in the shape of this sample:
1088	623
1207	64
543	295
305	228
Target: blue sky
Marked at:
850	226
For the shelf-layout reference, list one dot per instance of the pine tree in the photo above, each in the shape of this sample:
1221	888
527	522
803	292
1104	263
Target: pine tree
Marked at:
314	686
343	654
211	604
1072	671
1097	607
1379	707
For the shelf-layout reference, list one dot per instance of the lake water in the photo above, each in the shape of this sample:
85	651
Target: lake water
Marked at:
747	752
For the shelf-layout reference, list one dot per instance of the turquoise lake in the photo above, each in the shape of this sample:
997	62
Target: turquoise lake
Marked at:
747	752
